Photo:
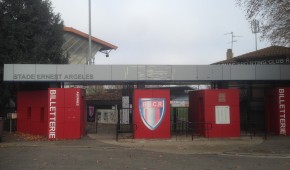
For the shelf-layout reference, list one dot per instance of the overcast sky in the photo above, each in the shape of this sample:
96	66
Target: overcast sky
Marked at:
162	31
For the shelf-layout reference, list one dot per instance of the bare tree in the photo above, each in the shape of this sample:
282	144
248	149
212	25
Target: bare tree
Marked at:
274	17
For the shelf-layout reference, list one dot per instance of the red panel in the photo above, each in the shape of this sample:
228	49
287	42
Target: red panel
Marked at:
196	111
40	112
31	98
29	104
66	104
21	112
20	126
43	129
72	131
82	115
56	95
141	132
277	110
60	131
60	115
20	100
73	97
60	120
161	131
35	114
39	98
72	115
27	126
35	128
202	112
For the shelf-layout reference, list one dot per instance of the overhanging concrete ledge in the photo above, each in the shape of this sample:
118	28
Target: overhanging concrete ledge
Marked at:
141	73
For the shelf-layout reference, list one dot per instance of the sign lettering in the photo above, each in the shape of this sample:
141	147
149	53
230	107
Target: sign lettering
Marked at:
53	76
77	98
262	62
282	111
52	115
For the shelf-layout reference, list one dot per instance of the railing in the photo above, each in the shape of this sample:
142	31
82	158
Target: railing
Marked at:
252	127
192	128
180	127
125	128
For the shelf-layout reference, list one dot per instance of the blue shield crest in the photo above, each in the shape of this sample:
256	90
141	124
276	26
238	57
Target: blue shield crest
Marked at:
152	111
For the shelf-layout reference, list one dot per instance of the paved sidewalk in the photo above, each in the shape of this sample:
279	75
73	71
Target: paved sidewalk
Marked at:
106	153
274	146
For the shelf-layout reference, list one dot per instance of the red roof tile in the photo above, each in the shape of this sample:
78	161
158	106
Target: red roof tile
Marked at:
106	45
269	52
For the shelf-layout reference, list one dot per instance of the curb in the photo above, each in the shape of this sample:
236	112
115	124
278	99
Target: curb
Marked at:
255	154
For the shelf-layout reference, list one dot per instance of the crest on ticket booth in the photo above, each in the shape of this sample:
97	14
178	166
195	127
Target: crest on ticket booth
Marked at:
152	111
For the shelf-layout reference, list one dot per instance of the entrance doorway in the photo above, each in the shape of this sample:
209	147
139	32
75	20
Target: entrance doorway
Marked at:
101	120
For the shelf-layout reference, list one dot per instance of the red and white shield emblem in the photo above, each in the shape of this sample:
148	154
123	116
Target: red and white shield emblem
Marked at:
152	111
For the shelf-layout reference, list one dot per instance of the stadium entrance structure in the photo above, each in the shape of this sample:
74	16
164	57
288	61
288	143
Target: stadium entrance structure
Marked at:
140	76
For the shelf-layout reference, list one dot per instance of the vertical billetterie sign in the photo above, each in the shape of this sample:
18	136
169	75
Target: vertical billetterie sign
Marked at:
282	111
52	114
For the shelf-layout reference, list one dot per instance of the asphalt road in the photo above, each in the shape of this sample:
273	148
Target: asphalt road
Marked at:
93	154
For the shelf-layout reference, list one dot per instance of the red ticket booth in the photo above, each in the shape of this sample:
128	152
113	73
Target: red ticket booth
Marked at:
32	112
215	112
277	110
57	113
151	114
66	113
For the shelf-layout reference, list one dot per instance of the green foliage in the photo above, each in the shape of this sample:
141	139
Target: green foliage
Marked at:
274	17
30	33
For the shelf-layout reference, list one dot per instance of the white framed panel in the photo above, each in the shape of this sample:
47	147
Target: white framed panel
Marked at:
209	72
226	72
71	72
46	72
184	72
99	72
159	72
243	72
265	72
222	114
285	72
8	72
24	72
124	72
142	75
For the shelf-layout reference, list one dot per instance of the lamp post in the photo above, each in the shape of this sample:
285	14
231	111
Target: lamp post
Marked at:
90	37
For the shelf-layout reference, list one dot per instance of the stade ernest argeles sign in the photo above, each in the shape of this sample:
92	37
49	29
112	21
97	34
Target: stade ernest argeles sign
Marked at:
42	72
22	76
79	73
